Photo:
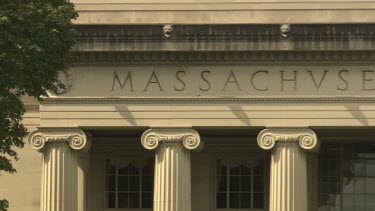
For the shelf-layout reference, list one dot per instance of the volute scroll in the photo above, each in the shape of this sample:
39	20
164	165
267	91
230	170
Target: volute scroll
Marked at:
189	138
306	138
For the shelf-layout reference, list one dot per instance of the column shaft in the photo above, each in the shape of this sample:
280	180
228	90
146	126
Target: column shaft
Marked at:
59	178
288	184
172	185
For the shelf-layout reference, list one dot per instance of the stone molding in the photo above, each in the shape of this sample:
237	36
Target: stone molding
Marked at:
76	139
306	138
189	138
177	100
223	56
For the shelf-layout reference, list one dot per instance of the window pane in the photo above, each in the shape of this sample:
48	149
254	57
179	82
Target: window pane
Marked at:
133	200
258	200
359	168
134	183
110	199
370	202
330	200
334	185
134	168
234	183
123	170
370	185
126	178
324	185
245	184
258	170
110	183
359	202
370	168
123	183
354	166
123	200
323	200
347	185
245	200
147	183
333	168
222	184
147	200
221	199
245	170
234	200
347	203
359	185
235	170
348	168
237	190
258	184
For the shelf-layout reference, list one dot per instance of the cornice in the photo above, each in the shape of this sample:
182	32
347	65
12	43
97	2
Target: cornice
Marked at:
65	100
204	5
229	37
223	12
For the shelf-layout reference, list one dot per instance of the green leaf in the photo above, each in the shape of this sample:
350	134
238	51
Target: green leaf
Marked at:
36	37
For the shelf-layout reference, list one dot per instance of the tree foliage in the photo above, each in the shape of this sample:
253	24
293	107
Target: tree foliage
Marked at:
35	41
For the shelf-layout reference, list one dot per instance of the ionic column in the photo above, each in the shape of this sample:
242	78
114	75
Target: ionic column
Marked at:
60	167
288	170
172	180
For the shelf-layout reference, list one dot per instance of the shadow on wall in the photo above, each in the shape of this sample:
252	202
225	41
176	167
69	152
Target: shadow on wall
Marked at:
355	110
126	114
240	114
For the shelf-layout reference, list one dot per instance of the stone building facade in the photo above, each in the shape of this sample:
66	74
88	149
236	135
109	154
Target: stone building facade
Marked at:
207	106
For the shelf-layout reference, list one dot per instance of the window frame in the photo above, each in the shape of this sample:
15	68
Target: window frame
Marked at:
250	156
340	168
137	158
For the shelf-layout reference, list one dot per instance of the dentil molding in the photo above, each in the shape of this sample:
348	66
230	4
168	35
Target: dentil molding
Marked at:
306	138
76	139
189	138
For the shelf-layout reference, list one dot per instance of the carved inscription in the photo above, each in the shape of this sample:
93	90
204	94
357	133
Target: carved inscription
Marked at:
258	80
224	81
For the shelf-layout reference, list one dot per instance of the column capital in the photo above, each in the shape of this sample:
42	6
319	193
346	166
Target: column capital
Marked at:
76	138
189	138
306	138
